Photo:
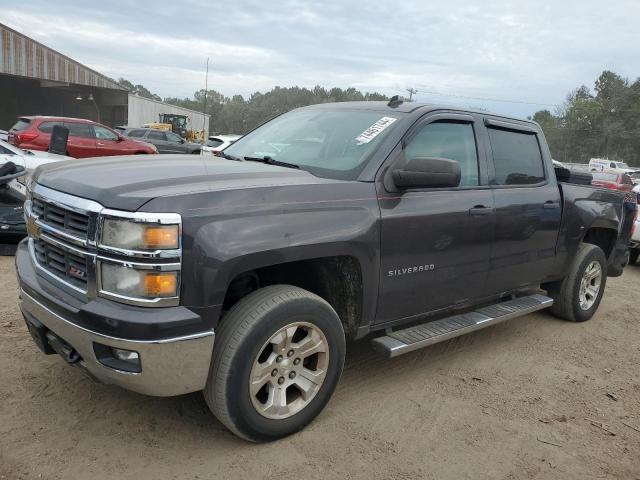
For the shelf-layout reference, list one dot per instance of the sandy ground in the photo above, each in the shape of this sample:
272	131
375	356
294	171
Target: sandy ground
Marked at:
532	398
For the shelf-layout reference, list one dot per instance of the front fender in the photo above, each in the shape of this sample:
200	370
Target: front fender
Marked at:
221	246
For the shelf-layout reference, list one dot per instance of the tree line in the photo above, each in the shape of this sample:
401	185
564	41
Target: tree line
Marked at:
239	115
602	123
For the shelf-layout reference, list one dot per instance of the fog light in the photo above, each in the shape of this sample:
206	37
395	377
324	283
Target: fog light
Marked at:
118	358
125	355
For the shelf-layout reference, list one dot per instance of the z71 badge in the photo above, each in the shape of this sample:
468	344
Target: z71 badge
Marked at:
409	270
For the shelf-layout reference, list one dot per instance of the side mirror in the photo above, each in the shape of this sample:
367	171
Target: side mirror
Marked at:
427	172
121	138
182	140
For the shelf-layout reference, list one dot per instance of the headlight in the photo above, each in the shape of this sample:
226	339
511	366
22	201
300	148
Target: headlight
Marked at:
129	282
129	235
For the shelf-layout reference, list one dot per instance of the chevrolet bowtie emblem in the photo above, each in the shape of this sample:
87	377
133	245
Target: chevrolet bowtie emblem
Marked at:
33	229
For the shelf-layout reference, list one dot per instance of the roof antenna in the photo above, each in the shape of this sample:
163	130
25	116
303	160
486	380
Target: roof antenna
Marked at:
395	101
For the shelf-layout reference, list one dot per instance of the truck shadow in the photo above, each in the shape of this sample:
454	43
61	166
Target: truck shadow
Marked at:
163	421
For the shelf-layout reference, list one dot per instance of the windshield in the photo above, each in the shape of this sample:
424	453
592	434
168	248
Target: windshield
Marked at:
622	165
327	143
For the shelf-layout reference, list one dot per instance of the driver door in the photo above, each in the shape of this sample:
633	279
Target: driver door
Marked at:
436	242
107	142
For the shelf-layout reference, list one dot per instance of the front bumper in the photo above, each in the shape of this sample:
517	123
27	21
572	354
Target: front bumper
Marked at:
169	366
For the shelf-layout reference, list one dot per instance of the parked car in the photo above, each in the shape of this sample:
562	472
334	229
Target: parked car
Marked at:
604	165
634	249
335	221
86	138
613	181
13	189
217	143
165	142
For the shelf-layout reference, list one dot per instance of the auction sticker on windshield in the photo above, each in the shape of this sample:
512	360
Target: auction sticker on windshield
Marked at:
374	130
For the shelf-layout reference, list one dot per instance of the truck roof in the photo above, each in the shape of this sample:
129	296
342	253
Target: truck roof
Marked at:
405	107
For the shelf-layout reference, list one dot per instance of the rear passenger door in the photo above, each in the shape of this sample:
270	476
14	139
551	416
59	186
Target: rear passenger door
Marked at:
527	203
159	139
81	142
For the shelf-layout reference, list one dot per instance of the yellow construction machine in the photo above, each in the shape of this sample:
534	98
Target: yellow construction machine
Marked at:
171	122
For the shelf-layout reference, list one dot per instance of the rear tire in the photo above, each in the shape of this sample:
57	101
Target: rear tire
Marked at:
633	256
577	297
263	383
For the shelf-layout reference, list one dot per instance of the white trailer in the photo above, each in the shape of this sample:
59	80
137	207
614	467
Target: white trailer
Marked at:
142	110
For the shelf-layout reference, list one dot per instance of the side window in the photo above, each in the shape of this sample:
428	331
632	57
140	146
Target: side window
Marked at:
46	127
172	137
102	133
79	130
156	135
516	157
5	151
454	141
612	165
136	133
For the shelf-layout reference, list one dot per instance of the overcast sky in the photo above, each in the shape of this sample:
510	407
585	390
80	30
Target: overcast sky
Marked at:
530	51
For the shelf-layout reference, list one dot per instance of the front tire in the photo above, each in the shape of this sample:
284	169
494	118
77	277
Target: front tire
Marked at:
577	297
277	359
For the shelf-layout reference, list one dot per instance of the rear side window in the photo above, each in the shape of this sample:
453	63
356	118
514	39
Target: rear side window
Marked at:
21	124
46	127
136	133
454	141
213	142
516	157
82	130
156	135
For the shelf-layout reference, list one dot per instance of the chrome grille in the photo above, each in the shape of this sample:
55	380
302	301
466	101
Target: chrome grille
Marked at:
61	218
70	267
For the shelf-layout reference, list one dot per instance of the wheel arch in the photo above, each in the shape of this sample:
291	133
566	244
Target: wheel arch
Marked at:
603	236
337	278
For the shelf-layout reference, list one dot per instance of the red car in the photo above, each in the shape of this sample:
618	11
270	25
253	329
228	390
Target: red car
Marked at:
612	181
86	138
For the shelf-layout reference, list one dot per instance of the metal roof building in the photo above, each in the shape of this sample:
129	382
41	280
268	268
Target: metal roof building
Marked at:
37	80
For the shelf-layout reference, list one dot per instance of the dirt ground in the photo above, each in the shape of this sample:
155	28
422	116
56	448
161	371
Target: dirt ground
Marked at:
532	398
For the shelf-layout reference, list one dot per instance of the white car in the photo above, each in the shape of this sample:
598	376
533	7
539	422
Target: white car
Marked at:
604	165
27	159
13	189
217	143
634	251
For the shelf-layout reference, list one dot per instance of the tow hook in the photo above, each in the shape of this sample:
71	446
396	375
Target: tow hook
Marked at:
63	349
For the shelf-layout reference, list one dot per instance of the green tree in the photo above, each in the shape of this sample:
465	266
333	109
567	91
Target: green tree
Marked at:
603	123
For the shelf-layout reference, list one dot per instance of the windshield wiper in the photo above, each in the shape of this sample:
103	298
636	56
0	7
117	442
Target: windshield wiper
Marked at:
229	157
270	161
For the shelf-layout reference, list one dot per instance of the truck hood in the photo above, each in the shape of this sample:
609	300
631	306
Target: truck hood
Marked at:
128	182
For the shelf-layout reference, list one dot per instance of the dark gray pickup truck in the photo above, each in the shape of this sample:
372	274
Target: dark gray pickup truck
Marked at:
407	222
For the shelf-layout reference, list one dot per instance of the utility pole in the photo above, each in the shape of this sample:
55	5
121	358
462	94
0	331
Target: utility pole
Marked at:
204	109
412	91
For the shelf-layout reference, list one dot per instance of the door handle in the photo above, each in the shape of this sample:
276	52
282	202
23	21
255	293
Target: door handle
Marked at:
100	144
480	210
550	205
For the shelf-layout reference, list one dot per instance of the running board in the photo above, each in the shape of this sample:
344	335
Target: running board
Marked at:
419	336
